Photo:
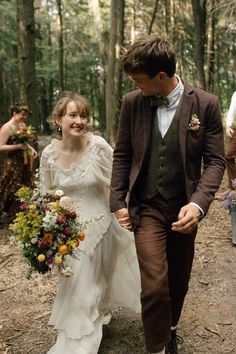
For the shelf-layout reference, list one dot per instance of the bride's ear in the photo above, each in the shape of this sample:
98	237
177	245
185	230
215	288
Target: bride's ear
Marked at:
58	126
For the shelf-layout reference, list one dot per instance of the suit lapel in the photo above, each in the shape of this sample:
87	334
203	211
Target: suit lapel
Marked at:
184	117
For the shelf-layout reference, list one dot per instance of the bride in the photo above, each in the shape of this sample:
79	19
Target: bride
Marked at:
106	274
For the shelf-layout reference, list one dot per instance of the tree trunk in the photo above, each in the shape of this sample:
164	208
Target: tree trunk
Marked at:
60	45
44	107
113	83
3	113
102	42
26	57
110	104
199	14
153	17
211	49
118	69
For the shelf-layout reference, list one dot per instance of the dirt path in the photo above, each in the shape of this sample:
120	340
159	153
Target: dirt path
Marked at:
208	322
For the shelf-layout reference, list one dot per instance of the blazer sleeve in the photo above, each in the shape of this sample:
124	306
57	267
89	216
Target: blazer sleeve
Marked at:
213	157
122	160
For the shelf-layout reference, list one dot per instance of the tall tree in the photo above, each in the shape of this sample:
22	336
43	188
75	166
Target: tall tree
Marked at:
211	48
110	74
113	82
60	44
26	56
199	16
101	73
118	69
153	17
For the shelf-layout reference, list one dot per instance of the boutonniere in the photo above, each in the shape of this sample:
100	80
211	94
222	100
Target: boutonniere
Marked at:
194	123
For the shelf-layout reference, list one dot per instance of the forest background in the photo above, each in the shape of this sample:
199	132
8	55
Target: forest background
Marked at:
48	46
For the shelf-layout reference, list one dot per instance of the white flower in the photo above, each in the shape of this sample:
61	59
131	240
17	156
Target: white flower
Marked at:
66	272
194	123
69	204
49	219
59	193
12	240
34	240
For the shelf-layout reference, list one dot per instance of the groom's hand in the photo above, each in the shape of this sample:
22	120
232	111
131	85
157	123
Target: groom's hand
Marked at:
123	218
188	219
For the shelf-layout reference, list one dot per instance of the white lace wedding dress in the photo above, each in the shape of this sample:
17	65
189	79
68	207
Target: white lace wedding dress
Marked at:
106	275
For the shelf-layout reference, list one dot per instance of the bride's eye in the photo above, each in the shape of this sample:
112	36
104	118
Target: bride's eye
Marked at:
72	115
83	116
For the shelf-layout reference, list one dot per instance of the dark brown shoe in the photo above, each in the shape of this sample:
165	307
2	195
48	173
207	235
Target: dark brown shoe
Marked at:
172	346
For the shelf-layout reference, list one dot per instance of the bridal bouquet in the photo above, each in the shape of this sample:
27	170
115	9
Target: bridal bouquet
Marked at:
47	228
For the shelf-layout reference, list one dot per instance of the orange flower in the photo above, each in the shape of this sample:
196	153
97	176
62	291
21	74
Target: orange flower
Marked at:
48	237
81	235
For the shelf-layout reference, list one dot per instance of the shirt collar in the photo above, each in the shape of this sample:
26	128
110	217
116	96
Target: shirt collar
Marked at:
176	93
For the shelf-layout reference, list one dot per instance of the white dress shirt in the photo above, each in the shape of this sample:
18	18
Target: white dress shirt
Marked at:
231	115
165	114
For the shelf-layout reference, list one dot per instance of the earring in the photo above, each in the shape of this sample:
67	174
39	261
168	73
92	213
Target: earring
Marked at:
59	128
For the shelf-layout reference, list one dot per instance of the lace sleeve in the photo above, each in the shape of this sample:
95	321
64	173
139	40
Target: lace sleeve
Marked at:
103	154
45	170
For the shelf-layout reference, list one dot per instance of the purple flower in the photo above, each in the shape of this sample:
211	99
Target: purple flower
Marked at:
230	200
67	230
23	207
227	203
234	183
50	260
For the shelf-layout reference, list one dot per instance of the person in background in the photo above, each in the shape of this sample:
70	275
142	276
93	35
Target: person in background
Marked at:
15	173
230	154
106	275
168	164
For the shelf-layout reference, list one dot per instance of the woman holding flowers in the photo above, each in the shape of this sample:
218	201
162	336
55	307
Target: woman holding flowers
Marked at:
106	274
16	171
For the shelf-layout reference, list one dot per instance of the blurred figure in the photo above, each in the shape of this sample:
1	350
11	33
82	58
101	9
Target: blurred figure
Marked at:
230	154
15	172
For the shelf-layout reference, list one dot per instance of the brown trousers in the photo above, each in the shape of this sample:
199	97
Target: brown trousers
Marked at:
165	260
230	156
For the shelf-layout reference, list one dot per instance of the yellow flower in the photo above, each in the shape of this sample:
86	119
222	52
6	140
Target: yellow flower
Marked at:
74	244
32	207
58	260
41	257
63	249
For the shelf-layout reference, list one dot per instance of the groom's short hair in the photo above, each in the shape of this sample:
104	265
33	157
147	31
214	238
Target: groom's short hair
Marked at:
150	55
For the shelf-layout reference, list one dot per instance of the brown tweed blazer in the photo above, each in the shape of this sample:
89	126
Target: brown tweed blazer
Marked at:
201	152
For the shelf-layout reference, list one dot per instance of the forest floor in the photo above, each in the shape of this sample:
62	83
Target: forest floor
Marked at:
208	322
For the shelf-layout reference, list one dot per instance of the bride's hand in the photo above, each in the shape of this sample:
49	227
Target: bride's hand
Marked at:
123	218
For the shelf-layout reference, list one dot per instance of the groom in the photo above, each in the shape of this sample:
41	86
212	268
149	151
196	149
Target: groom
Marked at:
168	164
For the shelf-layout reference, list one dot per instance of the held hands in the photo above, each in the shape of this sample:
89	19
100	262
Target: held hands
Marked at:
188	218
229	132
123	218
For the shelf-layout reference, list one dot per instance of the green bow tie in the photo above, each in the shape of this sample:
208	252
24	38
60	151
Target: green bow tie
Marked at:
158	101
